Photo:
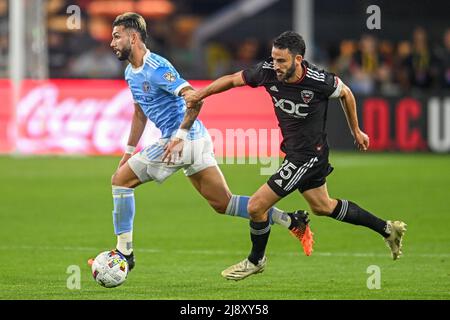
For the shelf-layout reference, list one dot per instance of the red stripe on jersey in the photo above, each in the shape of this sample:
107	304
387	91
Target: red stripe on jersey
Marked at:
303	75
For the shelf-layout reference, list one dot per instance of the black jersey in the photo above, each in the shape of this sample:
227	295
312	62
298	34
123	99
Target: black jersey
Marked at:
301	107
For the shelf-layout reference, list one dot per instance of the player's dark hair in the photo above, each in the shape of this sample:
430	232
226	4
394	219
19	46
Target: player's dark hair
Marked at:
134	21
291	40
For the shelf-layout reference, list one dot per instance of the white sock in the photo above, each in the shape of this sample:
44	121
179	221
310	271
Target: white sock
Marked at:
280	217
125	243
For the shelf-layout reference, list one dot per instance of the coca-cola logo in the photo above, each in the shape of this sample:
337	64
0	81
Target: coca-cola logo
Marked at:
49	121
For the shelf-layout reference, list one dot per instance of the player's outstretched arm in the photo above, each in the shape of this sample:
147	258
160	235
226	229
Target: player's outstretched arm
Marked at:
220	85
348	103
138	123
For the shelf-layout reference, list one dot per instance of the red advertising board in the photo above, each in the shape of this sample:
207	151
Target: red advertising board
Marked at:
407	124
6	116
94	117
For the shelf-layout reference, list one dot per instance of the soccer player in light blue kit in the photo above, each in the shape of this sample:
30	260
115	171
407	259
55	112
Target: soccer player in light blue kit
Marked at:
157	90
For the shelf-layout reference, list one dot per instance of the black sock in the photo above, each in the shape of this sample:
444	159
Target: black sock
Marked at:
350	212
259	233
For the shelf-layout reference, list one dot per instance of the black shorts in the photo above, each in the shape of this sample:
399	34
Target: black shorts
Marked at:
300	173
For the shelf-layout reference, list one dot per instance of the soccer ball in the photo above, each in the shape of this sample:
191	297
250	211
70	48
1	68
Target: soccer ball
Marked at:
110	269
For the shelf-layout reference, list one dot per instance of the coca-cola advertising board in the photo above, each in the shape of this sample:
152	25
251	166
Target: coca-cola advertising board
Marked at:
94	117
75	116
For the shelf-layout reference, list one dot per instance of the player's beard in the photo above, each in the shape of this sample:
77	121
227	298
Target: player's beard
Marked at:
289	73
124	54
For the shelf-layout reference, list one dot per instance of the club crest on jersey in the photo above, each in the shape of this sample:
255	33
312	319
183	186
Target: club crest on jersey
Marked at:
145	86
307	96
169	76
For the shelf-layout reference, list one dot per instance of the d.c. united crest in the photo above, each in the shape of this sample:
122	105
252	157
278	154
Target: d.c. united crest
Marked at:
307	96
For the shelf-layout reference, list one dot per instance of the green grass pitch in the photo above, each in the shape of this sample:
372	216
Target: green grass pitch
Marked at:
56	212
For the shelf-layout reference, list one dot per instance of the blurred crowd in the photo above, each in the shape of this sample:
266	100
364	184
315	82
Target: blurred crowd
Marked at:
379	65
3	38
368	65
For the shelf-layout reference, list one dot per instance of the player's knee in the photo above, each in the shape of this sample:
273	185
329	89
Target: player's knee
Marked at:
254	207
116	180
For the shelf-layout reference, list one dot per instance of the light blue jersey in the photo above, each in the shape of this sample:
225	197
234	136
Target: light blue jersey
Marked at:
155	87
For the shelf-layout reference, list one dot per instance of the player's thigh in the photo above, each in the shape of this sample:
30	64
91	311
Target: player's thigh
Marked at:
211	184
125	177
198	155
261	201
319	200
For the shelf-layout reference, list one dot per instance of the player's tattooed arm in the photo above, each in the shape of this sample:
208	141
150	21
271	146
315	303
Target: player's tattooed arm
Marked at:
173	150
192	110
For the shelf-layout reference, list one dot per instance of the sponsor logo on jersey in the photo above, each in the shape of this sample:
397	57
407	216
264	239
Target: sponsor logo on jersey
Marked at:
290	107
307	95
169	76
142	98
145	86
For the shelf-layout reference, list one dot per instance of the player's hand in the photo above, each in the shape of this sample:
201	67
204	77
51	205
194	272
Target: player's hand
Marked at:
361	140
173	151
124	159
191	97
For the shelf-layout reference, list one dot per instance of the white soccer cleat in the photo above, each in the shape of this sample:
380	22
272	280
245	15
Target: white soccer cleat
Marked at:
244	269
394	241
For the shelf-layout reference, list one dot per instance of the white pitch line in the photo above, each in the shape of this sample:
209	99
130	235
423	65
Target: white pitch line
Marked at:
224	252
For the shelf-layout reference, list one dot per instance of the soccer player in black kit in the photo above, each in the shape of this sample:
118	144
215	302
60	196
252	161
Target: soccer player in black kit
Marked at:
300	92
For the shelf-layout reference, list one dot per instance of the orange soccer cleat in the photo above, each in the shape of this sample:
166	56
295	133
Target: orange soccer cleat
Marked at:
300	229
